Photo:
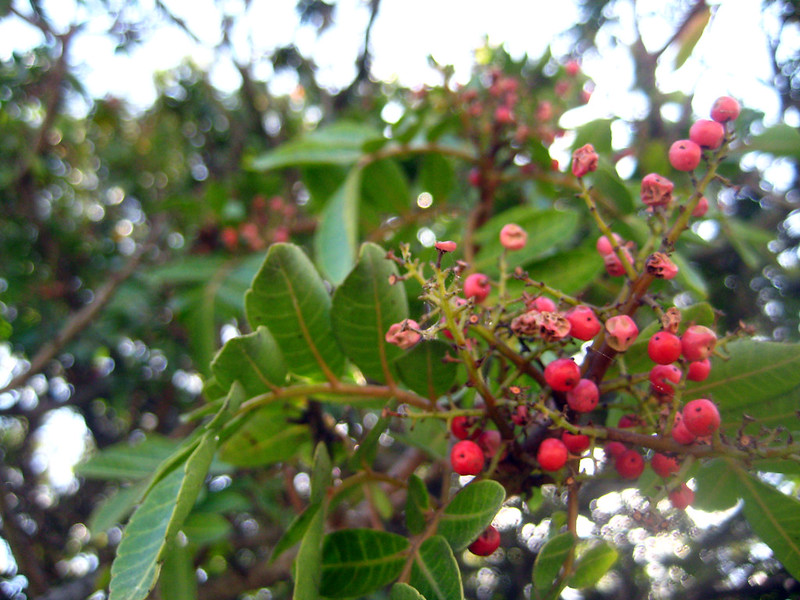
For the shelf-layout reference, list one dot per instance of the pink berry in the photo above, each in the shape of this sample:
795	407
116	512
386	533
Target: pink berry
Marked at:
662	377
562	375
576	443
477	286
466	458
513	237
701	417
701	208
584	396
474	177
725	109
707	134
503	115
487	543
464	428
584	160
681	497
542	304
679	432
403	334
621	332
614	449
664	465
583	323
447	246
604	246
698	342
572	68
699	370
489	441
552	454
656	190
660	265
664	348
685	155
629	464
628	421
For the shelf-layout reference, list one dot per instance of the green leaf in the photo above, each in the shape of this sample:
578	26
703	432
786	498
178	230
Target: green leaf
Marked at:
548	564
296	531
321	476
364	307
178	579
403	591
423	370
336	238
781	140
203	528
254	360
761	379
338	143
435	572
690	34
576	268
607	181
717	488
157	520
356	562
368	447
266	437
437	176
774	517
384	187
288	296
688	276
125	461
547	230
470	512
592	564
308	562
597	133
429	435
113	510
418	502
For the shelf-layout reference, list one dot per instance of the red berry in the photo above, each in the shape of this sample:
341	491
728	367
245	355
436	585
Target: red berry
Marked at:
584	160
725	109
446	246
622	332
656	190
699	370
628	421
614	449
681	497
701	417
552	454
513	237
466	458
489	441
697	342
562	375
679	432
663	376
661	266
707	134
572	68
474	177
542	304
701	208
584	396
629	464
583	323
664	465
487	543
604	246
576	442
503	115
464	428
685	155
477	286
664	348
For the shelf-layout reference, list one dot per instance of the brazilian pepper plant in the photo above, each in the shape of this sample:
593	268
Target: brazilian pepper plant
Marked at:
531	356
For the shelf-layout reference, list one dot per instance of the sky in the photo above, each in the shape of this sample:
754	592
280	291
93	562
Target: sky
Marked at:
731	57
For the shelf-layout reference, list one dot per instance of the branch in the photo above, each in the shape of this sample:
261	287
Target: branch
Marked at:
81	319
